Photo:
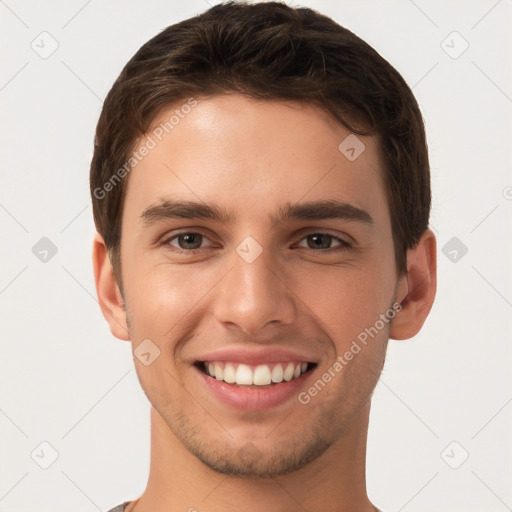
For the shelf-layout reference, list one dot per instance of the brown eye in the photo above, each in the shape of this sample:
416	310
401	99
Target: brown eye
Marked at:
323	241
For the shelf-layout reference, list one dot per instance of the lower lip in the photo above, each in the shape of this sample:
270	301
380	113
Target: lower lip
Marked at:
254	399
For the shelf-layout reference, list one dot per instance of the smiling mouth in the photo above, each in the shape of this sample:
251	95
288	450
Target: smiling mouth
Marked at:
254	376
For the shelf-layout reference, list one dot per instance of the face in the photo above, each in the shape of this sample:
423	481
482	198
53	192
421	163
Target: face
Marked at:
254	294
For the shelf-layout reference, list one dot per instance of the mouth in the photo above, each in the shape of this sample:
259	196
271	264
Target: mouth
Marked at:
254	376
254	387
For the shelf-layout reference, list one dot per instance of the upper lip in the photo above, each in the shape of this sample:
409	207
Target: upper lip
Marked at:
255	356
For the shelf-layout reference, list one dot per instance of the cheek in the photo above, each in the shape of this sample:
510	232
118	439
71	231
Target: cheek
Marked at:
162	297
346	300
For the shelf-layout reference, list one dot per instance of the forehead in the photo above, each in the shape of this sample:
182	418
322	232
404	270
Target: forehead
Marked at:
249	153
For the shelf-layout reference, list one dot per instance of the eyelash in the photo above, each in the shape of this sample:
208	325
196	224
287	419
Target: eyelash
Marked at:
344	245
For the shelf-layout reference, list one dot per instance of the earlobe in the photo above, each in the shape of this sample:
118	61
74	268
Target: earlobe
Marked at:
107	290
417	289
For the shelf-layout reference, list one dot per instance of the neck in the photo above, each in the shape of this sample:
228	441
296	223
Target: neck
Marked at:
335	481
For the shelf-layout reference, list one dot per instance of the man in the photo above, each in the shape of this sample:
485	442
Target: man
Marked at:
261	192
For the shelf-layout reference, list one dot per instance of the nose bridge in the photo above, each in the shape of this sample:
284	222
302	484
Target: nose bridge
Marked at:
254	292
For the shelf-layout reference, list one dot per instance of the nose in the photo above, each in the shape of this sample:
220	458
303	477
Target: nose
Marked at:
253	295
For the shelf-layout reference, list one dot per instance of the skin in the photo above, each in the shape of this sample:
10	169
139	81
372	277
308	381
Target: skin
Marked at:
249	158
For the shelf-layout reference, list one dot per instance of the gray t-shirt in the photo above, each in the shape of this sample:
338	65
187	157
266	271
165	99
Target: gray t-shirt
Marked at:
120	508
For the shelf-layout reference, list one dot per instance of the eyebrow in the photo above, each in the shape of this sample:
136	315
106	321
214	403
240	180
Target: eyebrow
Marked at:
313	210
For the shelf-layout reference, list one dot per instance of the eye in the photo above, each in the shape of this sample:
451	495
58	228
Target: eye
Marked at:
191	241
323	241
186	242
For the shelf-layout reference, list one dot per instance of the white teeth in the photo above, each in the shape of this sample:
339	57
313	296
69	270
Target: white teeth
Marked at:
262	375
229	374
244	375
288	373
277	373
219	372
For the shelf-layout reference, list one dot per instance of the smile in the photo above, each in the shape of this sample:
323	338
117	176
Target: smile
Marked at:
261	375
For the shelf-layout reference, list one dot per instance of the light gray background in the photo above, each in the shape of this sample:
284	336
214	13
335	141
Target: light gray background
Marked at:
66	381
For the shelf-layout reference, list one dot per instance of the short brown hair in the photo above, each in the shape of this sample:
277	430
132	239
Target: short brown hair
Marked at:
267	51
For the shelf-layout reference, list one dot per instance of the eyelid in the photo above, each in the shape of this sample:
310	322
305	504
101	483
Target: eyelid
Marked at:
166	239
343	244
343	237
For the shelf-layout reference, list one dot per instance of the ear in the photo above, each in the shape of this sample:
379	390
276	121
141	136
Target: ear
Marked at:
416	289
109	295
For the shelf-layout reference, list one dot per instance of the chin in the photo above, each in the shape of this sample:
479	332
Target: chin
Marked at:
263	458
